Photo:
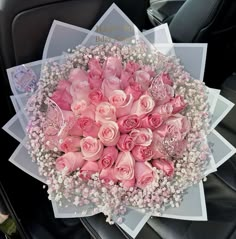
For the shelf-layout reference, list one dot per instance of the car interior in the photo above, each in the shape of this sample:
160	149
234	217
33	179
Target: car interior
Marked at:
24	26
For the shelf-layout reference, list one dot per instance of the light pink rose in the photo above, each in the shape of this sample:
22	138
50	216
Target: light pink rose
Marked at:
105	112
126	79
110	84
125	143
122	102
107	175
91	148
143	78
142	153
124	166
77	75
79	106
165	165
128	123
143	174
152	121
109	133
62	95
89	168
112	67
157	143
178	104
166	79
70	144
135	90
96	97
89	112
95	67
69	162
108	157
144	105
142	136
132	67
128	183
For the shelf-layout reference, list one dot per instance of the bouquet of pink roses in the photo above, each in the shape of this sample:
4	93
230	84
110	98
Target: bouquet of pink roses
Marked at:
116	126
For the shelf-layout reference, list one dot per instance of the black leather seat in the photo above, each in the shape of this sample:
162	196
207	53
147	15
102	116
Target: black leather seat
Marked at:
24	26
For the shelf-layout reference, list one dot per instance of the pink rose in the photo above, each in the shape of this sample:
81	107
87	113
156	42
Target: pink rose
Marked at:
105	112
124	166
128	123
165	165
132	67
89	169
95	67
70	144
78	75
128	183
142	136
112	67
157	143
62	95
96	97
107	175
178	104
143	174
143	78
126	79
109	133
108	157
165	78
89	112
144	105
152	121
95	81
91	148
79	106
122	102
109	85
135	90
125	143
69	162
142	153
149	70
163	110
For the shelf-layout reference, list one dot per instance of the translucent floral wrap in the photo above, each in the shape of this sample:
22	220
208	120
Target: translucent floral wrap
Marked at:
64	50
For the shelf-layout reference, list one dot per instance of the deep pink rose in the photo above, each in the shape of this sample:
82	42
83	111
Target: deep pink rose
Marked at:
152	121
143	174
89	168
95	67
142	153
107	175
135	90
77	74
109	133
165	165
144	105
105	112
69	162
125	143
127	123
143	78
178	104
124	166
142	136
110	84
126	79
128	183
108	157
122	102
96	97
62	95
166	79
112	67
132	67
70	144
91	148
79	106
